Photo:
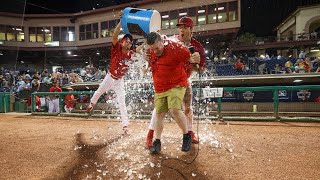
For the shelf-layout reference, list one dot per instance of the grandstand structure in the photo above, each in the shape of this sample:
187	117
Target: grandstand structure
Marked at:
71	40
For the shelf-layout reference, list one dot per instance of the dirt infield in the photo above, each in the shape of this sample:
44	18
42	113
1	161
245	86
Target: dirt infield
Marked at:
43	147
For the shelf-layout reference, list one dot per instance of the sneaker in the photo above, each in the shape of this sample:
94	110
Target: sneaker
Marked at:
195	140
90	108
156	148
149	139
186	143
125	131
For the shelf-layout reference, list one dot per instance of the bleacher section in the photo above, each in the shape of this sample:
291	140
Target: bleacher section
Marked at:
228	69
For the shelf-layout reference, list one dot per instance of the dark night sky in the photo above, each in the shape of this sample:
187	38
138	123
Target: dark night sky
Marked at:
258	16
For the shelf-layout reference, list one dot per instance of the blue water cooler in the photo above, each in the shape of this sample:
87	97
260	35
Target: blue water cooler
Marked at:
140	21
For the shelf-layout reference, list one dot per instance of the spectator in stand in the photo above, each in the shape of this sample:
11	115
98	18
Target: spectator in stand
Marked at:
267	56
317	100
317	60
77	79
72	77
69	101
45	73
25	85
308	65
302	55
46	79
18	83
65	79
27	75
4	82
55	74
303	66
82	72
289	68
297	66
277	68
238	65
10	78
279	57
35	83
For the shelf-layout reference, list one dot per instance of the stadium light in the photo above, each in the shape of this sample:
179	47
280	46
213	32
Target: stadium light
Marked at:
297	80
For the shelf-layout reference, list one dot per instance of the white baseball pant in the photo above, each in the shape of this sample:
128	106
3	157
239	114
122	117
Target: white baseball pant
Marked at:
54	105
108	84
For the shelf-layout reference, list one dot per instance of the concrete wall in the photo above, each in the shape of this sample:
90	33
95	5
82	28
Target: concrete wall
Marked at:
300	20
226	107
268	107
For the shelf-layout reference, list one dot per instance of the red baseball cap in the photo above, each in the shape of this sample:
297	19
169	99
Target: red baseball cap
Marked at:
187	21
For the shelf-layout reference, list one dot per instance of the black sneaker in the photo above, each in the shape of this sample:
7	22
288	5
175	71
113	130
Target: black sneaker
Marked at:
186	143
156	147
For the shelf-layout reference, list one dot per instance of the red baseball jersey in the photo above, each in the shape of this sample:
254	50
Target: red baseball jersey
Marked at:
198	48
168	70
119	62
70	101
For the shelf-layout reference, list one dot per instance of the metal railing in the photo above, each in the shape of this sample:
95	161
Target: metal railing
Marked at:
298	102
282	104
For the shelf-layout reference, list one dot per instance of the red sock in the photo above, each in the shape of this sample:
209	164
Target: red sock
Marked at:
150	133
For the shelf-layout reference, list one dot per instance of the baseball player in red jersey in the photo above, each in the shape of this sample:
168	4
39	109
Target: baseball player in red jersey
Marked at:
185	26
120	59
54	100
69	102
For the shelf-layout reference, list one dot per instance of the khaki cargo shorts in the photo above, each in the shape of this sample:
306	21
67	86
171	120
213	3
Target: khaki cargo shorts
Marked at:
171	99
